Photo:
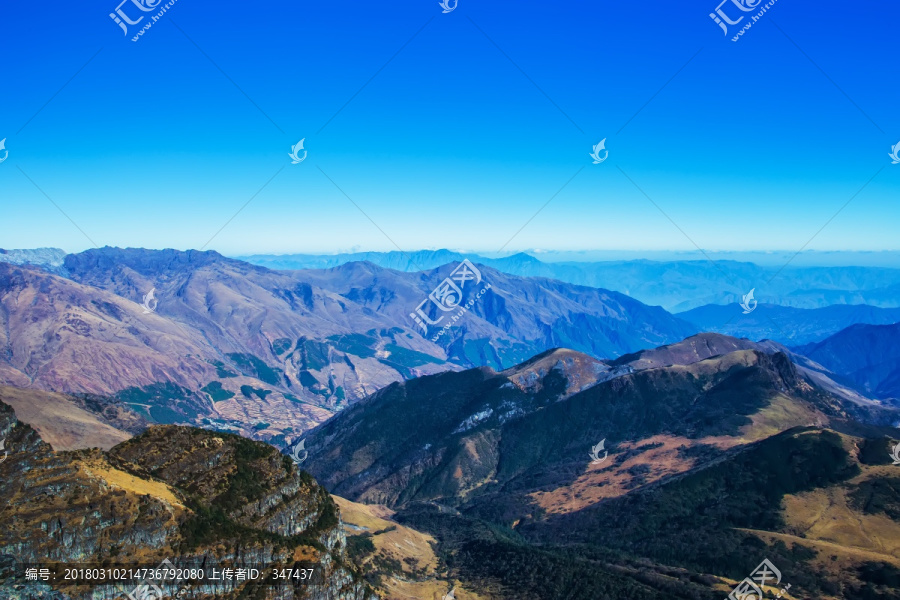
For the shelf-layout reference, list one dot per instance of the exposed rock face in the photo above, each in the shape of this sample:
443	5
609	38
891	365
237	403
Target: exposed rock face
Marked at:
49	259
172	493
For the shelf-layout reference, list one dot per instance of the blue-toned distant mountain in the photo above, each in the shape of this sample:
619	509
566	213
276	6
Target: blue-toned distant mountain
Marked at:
49	259
864	356
517	318
676	285
786	324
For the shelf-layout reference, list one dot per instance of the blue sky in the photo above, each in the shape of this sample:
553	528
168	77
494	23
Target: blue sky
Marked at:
450	130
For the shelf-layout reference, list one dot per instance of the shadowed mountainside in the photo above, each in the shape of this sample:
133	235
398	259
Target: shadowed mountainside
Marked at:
865	356
715	455
454	436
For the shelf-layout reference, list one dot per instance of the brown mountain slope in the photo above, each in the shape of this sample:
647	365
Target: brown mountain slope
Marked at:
819	504
400	562
688	351
274	317
579	371
60	421
68	337
457	436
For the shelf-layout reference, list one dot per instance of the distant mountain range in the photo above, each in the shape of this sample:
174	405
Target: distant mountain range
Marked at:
866	357
692	461
49	259
238	347
233	346
675	285
786	324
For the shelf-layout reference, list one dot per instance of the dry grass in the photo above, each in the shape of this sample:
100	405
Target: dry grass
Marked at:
398	544
140	487
602	481
825	516
424	590
59	422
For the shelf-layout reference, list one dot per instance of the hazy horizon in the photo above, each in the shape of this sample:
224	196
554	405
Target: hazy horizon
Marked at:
765	258
453	130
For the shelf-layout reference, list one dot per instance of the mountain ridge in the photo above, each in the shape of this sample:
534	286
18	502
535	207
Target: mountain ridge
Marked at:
269	354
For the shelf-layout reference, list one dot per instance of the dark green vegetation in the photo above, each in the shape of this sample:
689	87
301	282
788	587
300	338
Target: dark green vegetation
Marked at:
481	351
501	563
408	358
876	451
249	391
222	371
163	402
253	366
281	345
875	496
530	441
216	391
358	344
498	474
314	355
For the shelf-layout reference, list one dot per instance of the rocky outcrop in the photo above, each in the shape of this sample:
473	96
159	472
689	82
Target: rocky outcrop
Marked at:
190	496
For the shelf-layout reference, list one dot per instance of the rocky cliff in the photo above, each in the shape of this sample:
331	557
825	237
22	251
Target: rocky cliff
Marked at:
173	493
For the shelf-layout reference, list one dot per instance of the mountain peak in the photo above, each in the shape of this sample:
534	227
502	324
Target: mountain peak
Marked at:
579	371
688	351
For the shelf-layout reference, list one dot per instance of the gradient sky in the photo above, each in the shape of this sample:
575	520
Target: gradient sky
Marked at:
450	130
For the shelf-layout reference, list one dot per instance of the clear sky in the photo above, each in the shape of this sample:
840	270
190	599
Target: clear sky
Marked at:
450	130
